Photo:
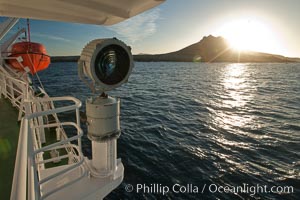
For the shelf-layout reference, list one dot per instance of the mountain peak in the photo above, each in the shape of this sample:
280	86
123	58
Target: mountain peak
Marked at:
214	49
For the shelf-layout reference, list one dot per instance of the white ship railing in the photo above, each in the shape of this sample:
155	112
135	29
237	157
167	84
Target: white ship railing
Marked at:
27	180
15	90
34	183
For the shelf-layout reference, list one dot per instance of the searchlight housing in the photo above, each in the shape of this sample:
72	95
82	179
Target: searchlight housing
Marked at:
105	64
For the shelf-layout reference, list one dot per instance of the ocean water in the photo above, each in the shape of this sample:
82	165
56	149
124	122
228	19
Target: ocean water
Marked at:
201	127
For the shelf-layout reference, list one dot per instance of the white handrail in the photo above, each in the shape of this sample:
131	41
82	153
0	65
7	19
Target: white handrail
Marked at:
18	191
57	144
62	131
77	105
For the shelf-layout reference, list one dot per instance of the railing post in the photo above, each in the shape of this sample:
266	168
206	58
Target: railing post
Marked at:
78	124
27	108
41	122
11	92
22	107
1	84
34	190
4	88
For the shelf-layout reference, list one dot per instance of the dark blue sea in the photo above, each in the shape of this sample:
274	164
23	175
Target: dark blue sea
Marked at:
210	127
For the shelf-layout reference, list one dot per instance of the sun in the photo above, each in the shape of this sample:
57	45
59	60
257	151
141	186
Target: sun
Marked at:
247	34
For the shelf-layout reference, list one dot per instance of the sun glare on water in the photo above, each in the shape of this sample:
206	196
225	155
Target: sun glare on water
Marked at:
252	35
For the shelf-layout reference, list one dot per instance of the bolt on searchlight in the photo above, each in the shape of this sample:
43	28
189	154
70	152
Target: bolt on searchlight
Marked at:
104	65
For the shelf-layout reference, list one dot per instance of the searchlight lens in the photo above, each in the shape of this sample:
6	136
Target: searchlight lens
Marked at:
112	64
105	64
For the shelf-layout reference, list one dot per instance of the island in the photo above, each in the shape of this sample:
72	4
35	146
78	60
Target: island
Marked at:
208	49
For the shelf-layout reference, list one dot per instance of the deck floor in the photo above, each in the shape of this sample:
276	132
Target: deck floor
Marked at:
9	134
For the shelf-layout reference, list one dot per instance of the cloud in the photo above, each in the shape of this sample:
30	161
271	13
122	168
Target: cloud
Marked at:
138	27
51	37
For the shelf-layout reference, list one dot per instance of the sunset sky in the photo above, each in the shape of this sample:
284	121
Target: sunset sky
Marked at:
271	26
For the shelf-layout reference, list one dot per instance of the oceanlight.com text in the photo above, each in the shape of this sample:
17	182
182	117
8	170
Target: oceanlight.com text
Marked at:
252	190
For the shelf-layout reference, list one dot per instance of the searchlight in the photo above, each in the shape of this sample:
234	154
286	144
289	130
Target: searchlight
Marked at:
104	65
107	63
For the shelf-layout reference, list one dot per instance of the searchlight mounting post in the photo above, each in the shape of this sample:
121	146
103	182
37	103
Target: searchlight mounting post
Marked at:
104	65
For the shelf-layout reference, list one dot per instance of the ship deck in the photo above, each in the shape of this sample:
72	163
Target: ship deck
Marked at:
9	134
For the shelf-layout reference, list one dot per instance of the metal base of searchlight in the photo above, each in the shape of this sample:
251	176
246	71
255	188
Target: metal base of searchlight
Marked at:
103	130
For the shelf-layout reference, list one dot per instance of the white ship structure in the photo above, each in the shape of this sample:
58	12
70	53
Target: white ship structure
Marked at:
49	163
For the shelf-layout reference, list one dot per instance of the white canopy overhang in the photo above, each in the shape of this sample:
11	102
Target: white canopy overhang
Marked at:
104	12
